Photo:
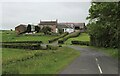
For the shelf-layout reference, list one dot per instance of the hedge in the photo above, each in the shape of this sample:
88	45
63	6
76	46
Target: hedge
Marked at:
63	35
23	42
22	46
81	42
75	34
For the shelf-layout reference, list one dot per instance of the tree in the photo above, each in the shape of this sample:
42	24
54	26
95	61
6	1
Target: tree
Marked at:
11	30
46	30
29	28
60	31
103	23
37	28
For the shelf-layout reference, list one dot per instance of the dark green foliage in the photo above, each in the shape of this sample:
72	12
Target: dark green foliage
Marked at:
28	28
37	29
46	30
11	30
75	34
103	26
55	39
34	45
81	42
21	46
60	31
23	42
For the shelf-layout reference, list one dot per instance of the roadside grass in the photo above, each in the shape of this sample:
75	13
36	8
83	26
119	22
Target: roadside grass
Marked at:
11	36
81	37
50	62
109	51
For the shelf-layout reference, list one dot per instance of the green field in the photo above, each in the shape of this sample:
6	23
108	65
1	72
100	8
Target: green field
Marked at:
49	61
81	37
11	36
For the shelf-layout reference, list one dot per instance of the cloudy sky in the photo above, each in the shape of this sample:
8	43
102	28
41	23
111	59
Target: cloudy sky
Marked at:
14	13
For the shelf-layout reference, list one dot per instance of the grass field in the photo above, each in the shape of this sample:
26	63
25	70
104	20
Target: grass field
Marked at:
11	36
81	37
50	62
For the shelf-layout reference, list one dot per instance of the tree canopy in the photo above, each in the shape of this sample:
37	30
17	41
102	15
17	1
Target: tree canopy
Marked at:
46	30
104	24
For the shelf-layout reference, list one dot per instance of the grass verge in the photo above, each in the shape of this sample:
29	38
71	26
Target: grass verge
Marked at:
50	62
81	37
109	51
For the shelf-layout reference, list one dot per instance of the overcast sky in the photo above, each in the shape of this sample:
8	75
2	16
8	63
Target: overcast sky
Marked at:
14	13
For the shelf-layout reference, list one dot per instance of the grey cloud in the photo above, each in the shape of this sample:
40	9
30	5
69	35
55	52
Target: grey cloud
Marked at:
31	12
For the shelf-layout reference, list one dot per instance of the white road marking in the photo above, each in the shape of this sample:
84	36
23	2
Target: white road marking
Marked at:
96	59
98	66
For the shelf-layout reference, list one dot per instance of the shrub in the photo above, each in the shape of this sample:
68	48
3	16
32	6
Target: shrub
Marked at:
75	34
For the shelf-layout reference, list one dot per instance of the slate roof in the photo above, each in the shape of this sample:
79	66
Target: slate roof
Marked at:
48	23
69	25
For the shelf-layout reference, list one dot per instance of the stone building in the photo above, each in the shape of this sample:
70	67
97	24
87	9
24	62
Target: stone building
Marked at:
20	29
51	24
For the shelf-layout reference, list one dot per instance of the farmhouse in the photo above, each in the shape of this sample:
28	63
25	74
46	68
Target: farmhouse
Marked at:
54	25
71	27
21	28
51	24
66	27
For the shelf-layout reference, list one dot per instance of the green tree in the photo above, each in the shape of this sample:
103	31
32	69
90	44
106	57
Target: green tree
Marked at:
104	23
29	28
37	28
46	30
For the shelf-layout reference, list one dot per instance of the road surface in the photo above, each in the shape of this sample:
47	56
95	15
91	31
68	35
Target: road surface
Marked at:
91	62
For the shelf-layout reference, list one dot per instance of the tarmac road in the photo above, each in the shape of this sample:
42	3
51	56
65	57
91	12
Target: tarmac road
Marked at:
91	62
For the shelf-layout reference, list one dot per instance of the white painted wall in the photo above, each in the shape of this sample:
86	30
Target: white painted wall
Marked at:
32	28
56	30
69	30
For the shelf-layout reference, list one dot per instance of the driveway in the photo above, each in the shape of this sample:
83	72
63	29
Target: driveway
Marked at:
91	61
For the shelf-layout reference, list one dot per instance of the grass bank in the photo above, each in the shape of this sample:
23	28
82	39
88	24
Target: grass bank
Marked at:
49	62
81	37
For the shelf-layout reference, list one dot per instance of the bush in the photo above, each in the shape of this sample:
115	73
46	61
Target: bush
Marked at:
81	42
75	34
55	39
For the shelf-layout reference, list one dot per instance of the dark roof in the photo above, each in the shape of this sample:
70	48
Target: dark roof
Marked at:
69	25
48	23
21	25
64	25
79	24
